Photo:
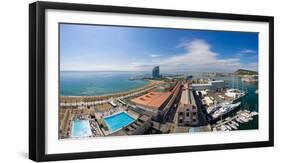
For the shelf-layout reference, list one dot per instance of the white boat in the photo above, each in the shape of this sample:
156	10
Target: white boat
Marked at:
225	109
223	128
216	107
220	96
239	120
254	113
212	108
234	93
232	125
244	119
228	127
247	111
228	118
235	123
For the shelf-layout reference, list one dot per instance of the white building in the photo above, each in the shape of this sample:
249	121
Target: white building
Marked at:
211	85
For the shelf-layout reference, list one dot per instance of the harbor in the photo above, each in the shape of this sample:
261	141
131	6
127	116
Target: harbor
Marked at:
232	123
236	91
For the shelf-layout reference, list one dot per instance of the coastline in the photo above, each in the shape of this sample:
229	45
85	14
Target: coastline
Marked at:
70	99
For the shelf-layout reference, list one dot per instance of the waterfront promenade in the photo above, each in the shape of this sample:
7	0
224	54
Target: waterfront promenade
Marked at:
95	100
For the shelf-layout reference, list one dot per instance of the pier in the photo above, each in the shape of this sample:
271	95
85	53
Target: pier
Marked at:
242	116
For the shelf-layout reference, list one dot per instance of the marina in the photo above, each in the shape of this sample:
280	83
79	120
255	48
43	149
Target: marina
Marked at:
232	123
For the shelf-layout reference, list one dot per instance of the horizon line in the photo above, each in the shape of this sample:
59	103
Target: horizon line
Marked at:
149	71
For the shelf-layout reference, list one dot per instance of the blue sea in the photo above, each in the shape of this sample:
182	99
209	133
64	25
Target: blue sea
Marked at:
91	83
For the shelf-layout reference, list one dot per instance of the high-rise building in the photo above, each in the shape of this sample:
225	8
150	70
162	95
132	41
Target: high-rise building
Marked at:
156	72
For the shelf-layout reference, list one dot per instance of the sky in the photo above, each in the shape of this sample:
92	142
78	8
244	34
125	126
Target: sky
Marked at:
118	48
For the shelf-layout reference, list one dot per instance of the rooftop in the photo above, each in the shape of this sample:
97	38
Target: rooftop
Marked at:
207	84
187	96
217	81
152	99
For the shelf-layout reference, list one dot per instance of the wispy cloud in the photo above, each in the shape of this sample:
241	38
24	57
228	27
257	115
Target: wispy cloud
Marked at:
248	51
154	55
198	57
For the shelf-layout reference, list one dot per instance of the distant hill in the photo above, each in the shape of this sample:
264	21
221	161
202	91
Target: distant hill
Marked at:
245	72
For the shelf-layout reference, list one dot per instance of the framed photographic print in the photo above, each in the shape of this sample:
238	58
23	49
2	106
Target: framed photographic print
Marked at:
111	81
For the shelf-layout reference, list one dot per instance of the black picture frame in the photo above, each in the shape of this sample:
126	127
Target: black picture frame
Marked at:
37	69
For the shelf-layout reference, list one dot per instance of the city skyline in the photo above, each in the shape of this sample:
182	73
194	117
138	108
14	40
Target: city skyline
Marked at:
112	48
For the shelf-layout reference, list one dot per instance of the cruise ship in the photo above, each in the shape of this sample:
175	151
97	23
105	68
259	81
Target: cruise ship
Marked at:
224	110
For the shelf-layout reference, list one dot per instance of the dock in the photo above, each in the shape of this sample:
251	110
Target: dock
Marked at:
232	123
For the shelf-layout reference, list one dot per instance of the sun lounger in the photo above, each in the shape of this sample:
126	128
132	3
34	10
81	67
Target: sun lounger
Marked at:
139	123
130	128
134	125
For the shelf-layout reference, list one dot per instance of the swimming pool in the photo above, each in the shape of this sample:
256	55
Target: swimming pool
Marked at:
117	121
81	128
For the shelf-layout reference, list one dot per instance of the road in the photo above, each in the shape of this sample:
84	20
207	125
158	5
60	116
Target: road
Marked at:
201	110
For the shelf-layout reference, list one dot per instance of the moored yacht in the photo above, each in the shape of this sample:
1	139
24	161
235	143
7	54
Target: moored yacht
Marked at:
235	93
214	108
224	110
